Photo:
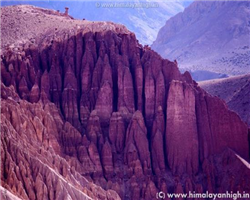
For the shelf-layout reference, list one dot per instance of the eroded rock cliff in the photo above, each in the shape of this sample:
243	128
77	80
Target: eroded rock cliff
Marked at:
86	105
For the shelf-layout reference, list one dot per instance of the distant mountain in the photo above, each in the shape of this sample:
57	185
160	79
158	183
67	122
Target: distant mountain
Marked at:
213	36
144	21
235	91
202	75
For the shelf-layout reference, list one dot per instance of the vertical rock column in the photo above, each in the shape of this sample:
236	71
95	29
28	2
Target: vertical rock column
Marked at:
69	98
156	140
117	131
181	130
136	146
104	103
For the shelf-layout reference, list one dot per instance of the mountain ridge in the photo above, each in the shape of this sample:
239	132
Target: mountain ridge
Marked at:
208	35
234	91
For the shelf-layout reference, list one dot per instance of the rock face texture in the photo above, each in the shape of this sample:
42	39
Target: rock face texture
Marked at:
181	123
88	113
32	165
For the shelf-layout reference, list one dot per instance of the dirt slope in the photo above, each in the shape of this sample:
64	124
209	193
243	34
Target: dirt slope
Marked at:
234	90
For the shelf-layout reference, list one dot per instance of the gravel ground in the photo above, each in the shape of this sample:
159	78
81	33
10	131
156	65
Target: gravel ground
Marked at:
24	24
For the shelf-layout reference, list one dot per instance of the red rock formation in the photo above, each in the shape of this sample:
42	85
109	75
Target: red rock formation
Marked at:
117	131
30	168
181	129
107	161
90	106
136	149
157	138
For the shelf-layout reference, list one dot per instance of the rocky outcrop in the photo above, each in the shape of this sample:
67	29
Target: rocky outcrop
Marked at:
117	132
182	153
90	106
31	168
137	154
157	142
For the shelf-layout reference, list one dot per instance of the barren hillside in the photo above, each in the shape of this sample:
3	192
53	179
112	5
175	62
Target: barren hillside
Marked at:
235	91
